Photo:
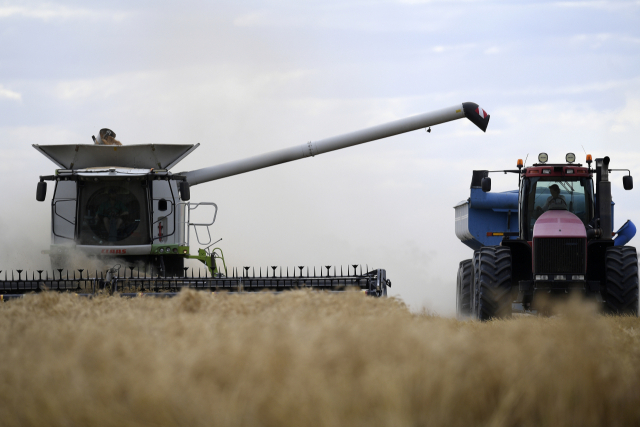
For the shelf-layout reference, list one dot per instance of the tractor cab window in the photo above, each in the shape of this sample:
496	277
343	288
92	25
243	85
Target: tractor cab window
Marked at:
543	194
113	213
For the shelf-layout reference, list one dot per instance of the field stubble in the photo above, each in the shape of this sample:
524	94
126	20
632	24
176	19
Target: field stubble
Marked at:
302	358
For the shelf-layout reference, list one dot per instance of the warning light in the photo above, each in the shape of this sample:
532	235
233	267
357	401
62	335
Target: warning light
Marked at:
589	158
520	163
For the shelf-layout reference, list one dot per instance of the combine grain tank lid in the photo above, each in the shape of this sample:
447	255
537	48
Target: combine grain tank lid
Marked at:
142	156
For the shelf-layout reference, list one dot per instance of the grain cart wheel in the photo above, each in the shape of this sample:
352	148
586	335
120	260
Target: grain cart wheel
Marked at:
493	283
463	288
475	273
621	288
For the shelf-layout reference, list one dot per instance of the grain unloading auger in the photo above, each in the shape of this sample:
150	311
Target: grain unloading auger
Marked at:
121	204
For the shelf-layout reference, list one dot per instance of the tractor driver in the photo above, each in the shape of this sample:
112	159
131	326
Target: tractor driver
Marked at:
555	201
111	211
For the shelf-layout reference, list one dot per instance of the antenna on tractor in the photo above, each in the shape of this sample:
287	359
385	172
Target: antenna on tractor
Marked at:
525	160
585	151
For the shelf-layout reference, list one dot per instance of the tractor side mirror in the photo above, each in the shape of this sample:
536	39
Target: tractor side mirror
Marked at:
486	184
41	191
162	205
627	182
185	191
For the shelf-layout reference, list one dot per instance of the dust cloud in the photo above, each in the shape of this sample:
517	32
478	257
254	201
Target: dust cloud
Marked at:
304	358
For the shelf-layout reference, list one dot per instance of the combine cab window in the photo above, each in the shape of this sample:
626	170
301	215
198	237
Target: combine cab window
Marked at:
113	213
543	194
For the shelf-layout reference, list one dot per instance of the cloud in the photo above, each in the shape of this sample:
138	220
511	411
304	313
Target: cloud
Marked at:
9	94
249	20
435	1
442	49
492	50
597	40
597	4
628	119
98	88
49	12
628	85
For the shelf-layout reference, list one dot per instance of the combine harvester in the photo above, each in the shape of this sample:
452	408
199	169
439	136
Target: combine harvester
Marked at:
122	204
552	236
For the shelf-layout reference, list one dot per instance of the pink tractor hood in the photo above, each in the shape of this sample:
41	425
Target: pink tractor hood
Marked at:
559	223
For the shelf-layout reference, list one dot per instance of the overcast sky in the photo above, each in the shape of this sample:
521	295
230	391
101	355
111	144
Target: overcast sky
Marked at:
247	77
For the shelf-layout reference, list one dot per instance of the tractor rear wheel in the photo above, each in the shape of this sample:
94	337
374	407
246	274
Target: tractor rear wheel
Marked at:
475	265
621	288
492	268
463	288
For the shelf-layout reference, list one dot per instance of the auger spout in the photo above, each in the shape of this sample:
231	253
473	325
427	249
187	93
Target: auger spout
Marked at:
469	110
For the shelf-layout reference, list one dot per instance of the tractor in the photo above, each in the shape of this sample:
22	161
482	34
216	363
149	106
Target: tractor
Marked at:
550	238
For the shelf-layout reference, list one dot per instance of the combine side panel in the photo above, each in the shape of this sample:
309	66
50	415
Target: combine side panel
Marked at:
165	224
63	213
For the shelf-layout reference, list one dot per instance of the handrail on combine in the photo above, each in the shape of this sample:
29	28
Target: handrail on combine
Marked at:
188	206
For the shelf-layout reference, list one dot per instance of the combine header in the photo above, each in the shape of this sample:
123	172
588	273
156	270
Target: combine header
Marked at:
134	283
123	205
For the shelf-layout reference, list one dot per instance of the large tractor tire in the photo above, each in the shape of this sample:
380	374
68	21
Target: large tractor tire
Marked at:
475	264
621	288
463	288
492	283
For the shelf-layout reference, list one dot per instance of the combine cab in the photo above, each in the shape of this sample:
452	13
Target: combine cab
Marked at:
124	206
552	236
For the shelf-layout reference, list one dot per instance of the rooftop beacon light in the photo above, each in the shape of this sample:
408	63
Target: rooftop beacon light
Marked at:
520	164
570	158
589	159
543	157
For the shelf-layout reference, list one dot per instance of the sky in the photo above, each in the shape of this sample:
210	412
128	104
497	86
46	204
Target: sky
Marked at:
242	78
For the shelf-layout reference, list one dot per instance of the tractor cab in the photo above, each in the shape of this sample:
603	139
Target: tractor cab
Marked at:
546	188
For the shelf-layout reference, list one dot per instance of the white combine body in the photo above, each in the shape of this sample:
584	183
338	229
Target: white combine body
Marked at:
123	202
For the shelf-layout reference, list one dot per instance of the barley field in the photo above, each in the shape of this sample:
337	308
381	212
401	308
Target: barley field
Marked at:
308	359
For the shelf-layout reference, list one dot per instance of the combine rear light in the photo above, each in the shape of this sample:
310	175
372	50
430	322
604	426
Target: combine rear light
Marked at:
546	170
569	171
577	277
561	277
542	277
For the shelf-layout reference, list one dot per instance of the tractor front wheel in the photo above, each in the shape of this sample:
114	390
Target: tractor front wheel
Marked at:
621	288
492	282
463	288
